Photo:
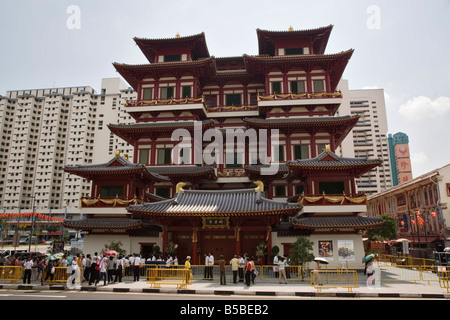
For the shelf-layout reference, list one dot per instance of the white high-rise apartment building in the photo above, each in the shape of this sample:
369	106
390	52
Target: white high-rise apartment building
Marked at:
370	138
45	129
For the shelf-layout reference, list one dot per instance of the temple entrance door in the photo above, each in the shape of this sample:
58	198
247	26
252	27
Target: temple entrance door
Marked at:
147	249
218	243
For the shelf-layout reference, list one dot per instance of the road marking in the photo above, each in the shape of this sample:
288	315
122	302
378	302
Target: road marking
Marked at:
31	295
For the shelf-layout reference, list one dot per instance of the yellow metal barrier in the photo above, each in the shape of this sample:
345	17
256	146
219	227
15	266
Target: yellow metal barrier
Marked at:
61	274
157	276
334	279
444	279
11	273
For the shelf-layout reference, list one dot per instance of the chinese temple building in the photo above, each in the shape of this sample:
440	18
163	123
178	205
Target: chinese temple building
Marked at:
201	178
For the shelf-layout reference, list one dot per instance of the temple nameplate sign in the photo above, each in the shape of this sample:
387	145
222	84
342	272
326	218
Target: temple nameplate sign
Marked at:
216	222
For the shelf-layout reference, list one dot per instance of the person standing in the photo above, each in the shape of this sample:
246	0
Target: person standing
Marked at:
234	267
187	266
111	268
282	263
222	270
28	264
248	272
210	266
119	269
87	267
275	266
241	268
103	270
136	265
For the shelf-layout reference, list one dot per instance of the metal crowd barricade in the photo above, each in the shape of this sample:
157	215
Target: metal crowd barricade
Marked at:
161	275
334	279
444	280
11	273
61	274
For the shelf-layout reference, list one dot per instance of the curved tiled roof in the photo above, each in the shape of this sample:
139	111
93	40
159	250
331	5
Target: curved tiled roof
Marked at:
180	171
131	132
103	224
330	161
116	165
336	222
242	202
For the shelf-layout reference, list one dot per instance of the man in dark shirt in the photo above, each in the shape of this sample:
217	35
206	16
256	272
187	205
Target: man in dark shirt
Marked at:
222	268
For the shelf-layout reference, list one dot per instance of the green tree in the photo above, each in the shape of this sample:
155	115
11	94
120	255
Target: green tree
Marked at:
261	250
388	231
300	253
116	246
171	249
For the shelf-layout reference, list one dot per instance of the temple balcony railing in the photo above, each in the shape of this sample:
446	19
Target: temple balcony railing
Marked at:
171	104
307	98
108	202
333	203
305	95
333	199
231	173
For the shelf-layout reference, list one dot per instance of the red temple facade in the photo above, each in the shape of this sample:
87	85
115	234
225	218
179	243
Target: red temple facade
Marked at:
228	203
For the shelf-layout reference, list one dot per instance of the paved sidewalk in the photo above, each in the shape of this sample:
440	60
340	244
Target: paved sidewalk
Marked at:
398	290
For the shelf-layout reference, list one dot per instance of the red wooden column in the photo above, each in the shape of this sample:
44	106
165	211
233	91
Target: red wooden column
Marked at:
237	231
269	242
194	246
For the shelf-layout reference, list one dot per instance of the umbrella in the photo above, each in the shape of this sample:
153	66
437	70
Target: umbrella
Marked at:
368	257
321	260
55	256
110	253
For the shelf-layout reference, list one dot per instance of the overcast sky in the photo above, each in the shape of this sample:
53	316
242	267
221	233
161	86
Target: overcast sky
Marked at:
402	47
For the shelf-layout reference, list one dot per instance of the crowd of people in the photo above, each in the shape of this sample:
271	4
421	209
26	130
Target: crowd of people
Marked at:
110	269
95	268
243	268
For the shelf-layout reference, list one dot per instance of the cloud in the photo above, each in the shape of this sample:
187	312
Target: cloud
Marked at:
422	107
419	158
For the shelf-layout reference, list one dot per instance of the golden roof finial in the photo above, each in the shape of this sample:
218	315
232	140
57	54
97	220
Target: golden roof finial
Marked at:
180	186
177	35
327	148
291	29
260	186
117	153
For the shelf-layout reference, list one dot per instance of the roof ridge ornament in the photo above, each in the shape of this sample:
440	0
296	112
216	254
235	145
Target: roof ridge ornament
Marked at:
180	186
260	186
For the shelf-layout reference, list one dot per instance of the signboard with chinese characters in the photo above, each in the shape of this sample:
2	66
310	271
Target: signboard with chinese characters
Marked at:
216	222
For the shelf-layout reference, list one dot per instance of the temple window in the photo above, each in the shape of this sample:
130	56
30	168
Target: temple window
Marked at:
233	99
172	57
143	156
331	187
147	94
280	154
163	192
301	152
298	87
276	87
293	51
233	160
299	189
211	101
111	191
164	156
318	86
167	93
280	191
186	91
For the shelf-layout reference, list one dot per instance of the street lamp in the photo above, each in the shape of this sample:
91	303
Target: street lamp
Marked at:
33	197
